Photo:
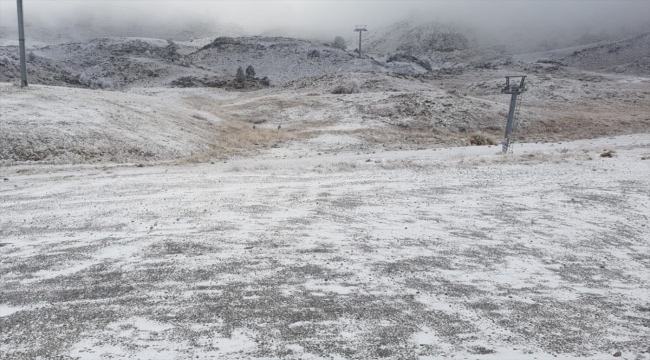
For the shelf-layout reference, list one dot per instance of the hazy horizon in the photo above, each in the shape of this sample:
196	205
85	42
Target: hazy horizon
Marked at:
326	19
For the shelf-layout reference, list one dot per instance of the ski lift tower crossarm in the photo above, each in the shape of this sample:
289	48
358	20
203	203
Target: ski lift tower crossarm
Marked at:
360	29
514	89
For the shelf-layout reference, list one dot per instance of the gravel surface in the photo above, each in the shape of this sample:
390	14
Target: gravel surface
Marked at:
458	252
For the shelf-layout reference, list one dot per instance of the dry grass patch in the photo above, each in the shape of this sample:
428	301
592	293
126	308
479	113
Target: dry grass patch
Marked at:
587	123
398	138
530	158
236	134
237	138
374	164
481	139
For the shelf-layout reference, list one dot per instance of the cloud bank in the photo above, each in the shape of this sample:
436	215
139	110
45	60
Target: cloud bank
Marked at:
326	19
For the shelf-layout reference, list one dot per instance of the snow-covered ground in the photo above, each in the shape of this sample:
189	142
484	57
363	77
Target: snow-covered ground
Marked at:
437	253
48	124
56	124
144	220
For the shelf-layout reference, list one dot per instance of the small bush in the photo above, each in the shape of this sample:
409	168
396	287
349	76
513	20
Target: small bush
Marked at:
313	54
608	154
351	87
339	43
105	83
480	140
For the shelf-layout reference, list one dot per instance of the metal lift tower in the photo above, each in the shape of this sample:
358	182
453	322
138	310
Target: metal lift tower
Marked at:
360	29
515	89
21	43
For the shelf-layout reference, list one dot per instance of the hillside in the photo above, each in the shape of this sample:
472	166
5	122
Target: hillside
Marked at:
66	125
150	100
143	62
622	56
281	59
419	38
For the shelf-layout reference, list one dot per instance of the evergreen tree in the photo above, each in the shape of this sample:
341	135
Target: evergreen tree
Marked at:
240	77
250	72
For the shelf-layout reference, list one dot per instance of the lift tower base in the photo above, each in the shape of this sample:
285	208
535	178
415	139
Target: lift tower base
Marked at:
515	90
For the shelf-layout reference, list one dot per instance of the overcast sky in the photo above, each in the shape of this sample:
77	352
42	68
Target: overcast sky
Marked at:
314	16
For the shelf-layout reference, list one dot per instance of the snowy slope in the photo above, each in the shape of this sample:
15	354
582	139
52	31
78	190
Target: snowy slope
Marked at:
138	62
419	38
57	124
281	59
623	56
103	63
147	62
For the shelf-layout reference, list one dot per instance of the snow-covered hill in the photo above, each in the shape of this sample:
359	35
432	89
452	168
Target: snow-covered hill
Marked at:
622	56
420	38
103	63
143	62
66	125
395	102
281	59
414	48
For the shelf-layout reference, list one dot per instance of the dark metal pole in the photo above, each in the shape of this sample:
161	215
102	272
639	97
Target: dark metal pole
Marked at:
360	43
511	118
21	42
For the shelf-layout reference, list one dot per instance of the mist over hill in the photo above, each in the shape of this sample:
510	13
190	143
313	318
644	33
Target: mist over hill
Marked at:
418	26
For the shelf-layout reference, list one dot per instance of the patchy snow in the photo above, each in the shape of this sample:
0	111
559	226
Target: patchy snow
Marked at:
52	124
421	253
8	310
335	140
50	274
290	222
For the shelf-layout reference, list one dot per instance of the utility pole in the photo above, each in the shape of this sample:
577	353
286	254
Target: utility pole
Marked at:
21	42
360	29
515	90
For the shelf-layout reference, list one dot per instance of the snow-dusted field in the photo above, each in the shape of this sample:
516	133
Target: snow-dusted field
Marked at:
155	222
427	254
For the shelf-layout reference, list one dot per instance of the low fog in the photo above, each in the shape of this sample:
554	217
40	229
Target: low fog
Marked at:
510	23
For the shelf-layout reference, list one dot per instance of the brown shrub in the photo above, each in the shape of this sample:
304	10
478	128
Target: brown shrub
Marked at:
479	139
608	154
